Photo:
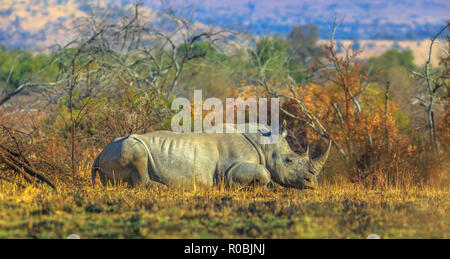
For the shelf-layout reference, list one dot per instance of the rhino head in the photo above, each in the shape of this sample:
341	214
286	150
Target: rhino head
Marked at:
290	169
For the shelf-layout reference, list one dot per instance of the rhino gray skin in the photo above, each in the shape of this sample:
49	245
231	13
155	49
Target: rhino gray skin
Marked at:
204	159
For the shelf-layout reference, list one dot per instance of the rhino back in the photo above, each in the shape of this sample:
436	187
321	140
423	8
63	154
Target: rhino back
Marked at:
185	158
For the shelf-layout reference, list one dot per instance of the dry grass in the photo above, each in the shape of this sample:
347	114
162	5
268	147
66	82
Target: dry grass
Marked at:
337	209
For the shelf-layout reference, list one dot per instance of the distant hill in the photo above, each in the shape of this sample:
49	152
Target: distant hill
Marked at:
373	48
38	24
364	19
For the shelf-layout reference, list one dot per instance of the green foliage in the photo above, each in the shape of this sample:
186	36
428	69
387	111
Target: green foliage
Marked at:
303	50
302	41
291	56
201	50
375	99
18	65
392	59
394	66
271	57
271	52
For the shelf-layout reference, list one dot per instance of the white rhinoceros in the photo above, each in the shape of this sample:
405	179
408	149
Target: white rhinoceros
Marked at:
194	159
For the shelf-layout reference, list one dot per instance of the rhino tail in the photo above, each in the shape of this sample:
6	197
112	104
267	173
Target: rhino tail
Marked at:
95	169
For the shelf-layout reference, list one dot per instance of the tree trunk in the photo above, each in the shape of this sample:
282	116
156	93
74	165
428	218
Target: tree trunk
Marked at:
431	129
386	113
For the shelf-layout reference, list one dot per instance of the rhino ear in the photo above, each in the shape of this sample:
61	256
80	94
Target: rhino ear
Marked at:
306	154
284	133
283	130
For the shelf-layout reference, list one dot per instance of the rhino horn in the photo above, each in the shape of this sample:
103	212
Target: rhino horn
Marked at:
320	161
305	155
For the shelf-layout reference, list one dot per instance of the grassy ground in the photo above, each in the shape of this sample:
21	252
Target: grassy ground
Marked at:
334	210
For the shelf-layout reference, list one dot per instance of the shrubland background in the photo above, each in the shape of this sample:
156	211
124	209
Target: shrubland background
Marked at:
388	120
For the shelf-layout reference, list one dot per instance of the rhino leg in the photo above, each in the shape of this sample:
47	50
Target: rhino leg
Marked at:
103	178
246	174
140	175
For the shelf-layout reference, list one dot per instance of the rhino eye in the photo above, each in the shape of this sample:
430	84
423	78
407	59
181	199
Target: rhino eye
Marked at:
288	160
